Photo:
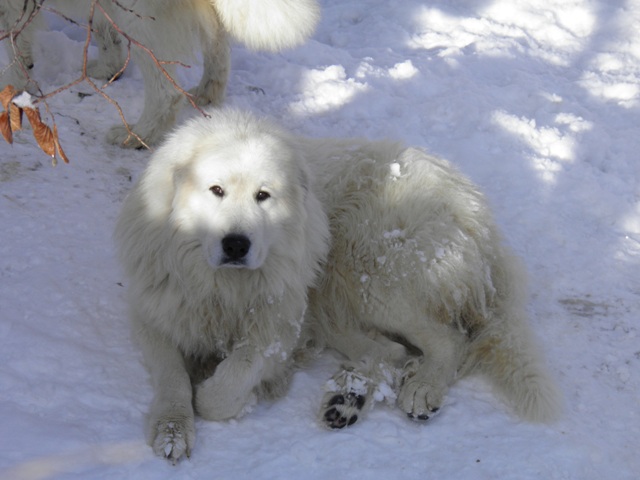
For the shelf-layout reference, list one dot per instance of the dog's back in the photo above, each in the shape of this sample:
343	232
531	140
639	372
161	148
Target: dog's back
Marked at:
416	256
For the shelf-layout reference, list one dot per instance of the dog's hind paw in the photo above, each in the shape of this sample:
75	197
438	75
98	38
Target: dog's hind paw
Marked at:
421	395
103	71
342	410
343	404
120	136
420	401
208	92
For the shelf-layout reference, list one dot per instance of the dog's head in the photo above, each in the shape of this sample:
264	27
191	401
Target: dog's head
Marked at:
240	192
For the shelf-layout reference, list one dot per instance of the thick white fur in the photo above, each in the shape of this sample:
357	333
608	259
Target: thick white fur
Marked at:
269	25
418	288
191	311
172	29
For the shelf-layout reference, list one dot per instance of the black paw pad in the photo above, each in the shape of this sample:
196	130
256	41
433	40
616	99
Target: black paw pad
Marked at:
422	417
335	419
342	410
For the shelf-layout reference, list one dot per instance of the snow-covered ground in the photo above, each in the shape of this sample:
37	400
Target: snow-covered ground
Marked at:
537	100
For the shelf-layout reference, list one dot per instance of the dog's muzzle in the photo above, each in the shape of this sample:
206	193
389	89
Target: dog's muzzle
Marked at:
235	248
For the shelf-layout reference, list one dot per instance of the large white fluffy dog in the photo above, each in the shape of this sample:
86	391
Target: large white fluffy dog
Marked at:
223	236
171	29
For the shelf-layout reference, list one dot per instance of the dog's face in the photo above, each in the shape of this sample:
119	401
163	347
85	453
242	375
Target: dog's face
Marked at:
239	199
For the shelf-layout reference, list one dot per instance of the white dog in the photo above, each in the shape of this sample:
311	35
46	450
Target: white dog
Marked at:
418	289
225	231
171	29
221	238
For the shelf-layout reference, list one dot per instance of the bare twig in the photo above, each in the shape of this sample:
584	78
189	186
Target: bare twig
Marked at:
33	8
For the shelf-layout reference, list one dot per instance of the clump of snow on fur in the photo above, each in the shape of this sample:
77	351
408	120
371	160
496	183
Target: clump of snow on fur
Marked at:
248	408
384	390
348	381
275	349
393	234
394	170
331	386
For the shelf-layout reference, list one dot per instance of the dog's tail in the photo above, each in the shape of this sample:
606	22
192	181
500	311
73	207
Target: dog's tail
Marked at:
270	25
506	356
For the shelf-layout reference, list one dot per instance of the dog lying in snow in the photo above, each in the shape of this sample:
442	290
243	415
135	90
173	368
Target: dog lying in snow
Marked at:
245	245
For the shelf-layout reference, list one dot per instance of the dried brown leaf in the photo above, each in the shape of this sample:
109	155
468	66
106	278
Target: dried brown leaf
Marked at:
15	117
5	127
6	95
59	149
41	132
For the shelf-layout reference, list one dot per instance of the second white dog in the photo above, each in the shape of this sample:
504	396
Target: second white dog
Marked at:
171	30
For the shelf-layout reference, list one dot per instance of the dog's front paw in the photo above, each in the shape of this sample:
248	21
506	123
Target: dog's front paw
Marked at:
172	438
208	92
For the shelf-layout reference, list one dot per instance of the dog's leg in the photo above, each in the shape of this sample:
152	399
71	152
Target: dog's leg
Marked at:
231	389
171	429
348	392
369	375
110	53
216	64
161	104
19	52
426	380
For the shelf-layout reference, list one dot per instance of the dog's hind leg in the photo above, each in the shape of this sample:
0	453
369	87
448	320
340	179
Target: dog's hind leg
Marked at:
426	380
348	392
216	63
19	46
161	104
111	58
369	375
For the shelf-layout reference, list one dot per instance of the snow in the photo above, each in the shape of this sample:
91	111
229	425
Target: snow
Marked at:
23	100
538	101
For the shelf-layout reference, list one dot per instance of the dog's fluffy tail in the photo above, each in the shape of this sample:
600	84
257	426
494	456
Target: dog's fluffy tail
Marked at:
517	372
270	25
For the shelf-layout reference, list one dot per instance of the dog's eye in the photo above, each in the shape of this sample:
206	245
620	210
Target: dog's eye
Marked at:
217	191
261	196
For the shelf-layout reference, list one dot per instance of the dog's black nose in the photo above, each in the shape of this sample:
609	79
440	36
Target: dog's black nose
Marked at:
235	247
